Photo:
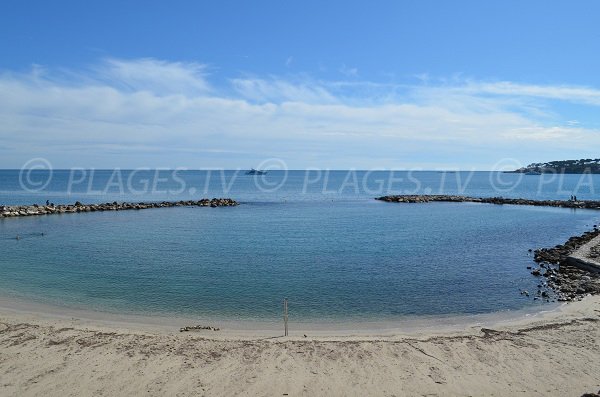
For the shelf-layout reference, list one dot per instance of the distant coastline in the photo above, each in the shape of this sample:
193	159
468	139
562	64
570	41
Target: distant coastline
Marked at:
582	166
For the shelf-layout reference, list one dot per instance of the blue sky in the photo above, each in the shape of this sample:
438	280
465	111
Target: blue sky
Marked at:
339	84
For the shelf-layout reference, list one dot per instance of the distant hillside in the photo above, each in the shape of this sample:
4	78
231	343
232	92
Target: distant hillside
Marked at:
590	166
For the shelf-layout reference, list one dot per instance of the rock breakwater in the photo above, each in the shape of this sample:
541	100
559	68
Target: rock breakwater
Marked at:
562	279
50	209
427	198
559	253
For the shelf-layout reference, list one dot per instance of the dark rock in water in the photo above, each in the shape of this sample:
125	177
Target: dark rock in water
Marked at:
536	272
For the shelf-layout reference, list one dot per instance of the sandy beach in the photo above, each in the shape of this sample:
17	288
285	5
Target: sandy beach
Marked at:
310	198
556	353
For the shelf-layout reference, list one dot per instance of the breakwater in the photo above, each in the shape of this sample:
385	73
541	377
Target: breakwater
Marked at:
426	198
560	275
50	209
560	253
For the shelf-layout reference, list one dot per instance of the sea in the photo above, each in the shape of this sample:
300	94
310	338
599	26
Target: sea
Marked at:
315	237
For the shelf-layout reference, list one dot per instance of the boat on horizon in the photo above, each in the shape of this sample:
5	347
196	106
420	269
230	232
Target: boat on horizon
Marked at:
256	172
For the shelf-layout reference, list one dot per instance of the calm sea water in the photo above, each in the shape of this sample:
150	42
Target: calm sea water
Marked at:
319	240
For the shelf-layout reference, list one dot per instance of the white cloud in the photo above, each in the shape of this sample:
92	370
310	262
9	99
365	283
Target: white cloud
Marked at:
159	77
583	95
157	113
277	90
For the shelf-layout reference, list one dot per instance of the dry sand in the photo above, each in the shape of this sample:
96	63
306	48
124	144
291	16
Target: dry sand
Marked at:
556	354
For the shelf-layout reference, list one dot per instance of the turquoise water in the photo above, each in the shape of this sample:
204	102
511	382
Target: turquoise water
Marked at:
336	255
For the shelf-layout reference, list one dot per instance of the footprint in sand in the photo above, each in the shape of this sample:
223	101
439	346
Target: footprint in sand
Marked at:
436	375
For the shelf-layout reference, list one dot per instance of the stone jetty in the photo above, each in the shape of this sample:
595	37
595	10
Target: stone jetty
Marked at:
561	252
562	274
427	198
33	210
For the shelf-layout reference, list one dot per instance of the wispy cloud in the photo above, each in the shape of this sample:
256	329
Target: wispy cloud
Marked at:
156	76
583	95
278	90
150	112
348	71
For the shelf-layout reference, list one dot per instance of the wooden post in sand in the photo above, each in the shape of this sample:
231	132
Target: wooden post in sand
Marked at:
285	316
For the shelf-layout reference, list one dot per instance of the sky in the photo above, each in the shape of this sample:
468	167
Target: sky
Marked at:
310	84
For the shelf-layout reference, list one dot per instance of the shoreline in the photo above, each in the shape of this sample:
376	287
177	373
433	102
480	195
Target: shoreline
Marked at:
250	330
241	328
